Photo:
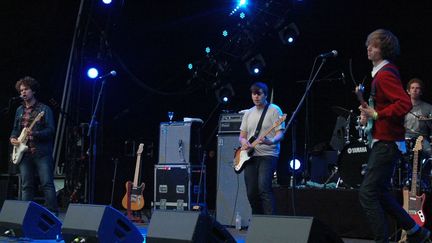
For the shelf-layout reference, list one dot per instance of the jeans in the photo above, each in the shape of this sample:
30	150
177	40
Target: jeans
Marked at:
43	166
374	194
258	173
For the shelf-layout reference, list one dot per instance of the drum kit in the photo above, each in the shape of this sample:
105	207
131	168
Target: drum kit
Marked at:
354	152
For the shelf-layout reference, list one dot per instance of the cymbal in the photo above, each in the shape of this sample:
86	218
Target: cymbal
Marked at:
342	111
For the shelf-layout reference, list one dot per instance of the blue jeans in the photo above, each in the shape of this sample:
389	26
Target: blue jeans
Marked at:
374	194
43	166
258	173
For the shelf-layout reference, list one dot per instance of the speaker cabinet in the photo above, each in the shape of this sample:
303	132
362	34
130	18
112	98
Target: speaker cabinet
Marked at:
179	142
266	228
98	223
231	189
185	226
29	219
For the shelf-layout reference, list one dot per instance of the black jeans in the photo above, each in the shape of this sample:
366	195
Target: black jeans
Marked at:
258	173
374	194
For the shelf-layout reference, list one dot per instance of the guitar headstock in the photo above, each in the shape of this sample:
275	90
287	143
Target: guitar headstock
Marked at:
140	149
418	144
280	120
359	91
39	116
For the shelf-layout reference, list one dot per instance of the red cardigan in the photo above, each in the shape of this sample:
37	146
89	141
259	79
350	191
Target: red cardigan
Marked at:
392	103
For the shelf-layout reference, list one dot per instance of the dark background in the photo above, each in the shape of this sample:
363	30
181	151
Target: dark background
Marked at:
150	43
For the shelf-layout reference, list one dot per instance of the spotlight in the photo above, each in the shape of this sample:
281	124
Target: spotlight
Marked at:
225	33
92	72
295	164
107	1
289	34
242	15
190	66
224	93
255	65
207	50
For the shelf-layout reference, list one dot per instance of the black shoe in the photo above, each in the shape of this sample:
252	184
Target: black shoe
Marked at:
420	236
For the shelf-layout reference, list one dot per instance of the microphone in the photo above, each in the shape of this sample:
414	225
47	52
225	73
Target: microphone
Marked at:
16	98
112	73
333	53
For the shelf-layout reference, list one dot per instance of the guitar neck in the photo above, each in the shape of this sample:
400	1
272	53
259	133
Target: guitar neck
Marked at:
137	171
414	174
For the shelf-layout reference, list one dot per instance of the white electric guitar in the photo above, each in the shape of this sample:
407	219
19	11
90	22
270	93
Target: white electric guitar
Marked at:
241	156
19	150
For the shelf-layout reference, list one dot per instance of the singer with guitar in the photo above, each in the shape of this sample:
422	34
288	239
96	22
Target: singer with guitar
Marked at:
387	107
259	169
33	130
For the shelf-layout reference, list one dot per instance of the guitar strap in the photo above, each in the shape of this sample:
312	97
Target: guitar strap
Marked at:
260	122
371	100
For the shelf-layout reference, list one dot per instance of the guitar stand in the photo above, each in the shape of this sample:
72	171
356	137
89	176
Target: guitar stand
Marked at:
334	172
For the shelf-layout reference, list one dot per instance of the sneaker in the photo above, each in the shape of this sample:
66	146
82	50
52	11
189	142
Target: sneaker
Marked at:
420	236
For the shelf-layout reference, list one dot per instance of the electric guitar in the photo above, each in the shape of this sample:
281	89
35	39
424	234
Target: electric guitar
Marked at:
241	156
370	123
133	199
19	150
413	204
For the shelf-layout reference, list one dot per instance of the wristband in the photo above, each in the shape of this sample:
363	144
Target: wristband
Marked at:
375	115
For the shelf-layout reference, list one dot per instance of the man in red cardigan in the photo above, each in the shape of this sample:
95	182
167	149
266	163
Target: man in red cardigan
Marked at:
391	103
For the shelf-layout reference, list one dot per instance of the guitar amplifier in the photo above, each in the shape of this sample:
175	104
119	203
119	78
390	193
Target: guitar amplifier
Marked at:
230	122
179	142
179	186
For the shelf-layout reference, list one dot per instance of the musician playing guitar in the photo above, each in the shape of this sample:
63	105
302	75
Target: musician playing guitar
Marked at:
390	105
37	159
258	171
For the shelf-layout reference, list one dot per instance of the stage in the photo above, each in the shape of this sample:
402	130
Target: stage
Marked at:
337	210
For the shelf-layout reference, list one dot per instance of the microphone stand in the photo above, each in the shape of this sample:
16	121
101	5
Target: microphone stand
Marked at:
291	121
93	142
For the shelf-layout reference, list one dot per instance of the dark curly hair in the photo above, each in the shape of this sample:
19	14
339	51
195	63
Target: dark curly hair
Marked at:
27	81
386	41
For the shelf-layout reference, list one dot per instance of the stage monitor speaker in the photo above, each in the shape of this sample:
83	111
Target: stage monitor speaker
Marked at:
185	226
30	220
290	229
98	223
179	142
231	194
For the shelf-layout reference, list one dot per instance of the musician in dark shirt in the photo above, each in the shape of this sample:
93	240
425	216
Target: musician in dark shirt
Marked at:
37	159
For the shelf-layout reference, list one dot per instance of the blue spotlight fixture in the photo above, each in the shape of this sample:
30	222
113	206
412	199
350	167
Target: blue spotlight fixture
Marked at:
289	34
224	93
295	164
242	15
107	1
207	50
225	33
92	73
190	66
242	3
255	65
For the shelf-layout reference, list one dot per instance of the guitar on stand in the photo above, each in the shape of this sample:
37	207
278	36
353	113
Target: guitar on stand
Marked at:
242	156
133	200
412	203
19	150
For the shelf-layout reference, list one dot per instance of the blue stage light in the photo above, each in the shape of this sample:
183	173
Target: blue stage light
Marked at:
225	33
107	1
295	164
92	73
242	3
242	15
190	66
207	50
